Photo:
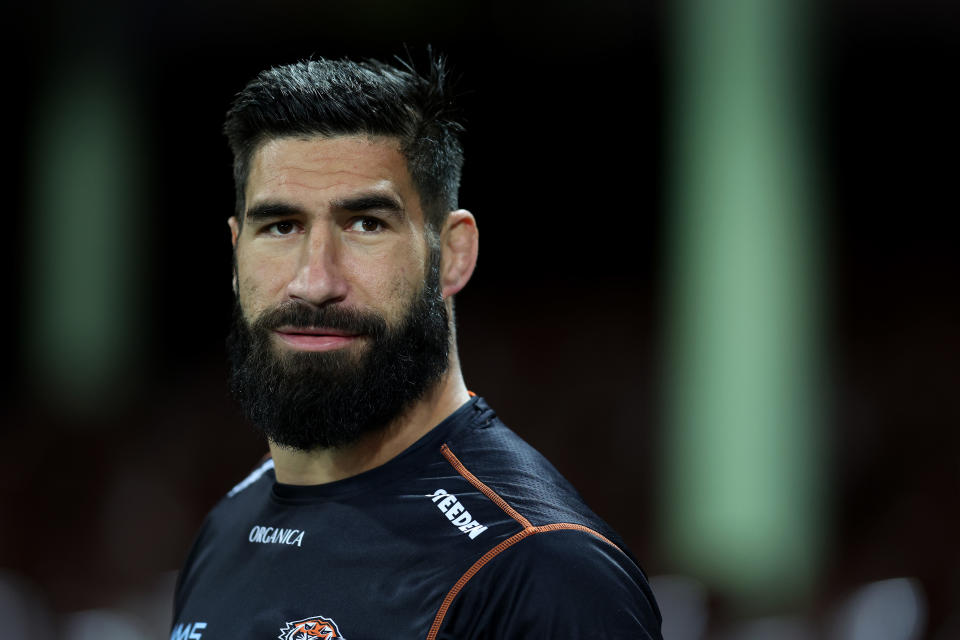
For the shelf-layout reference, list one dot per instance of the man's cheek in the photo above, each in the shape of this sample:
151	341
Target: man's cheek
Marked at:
401	290
251	303
261	287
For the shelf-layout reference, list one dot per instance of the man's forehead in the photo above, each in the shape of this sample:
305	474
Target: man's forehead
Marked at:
328	162
319	173
360	149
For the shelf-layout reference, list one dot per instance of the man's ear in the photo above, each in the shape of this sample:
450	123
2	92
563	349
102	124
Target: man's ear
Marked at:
234	225
459	243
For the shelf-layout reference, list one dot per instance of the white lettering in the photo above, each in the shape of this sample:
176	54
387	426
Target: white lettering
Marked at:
456	513
190	631
462	520
275	535
476	531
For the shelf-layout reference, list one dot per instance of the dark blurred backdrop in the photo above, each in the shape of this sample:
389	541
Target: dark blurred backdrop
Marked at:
118	434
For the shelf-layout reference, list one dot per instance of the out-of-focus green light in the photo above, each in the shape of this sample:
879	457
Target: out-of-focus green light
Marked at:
742	506
83	230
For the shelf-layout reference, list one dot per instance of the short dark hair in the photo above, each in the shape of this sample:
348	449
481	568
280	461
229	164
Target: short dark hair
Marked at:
341	97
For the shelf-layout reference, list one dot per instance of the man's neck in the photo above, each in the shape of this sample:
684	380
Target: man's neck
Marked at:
328	465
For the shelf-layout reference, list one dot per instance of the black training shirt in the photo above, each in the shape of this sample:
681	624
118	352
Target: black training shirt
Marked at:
469	533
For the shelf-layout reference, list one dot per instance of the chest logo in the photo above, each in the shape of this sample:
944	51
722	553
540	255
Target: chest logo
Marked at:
311	629
275	535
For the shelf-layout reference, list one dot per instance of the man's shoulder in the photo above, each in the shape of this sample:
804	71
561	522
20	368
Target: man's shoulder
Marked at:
556	580
520	475
561	570
263	469
572	564
246	495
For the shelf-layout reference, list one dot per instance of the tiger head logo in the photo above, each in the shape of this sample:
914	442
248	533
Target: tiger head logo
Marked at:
313	628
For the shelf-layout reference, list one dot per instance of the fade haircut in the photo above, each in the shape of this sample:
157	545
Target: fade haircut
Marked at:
340	97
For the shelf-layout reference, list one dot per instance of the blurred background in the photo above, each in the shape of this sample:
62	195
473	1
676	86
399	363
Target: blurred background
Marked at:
717	288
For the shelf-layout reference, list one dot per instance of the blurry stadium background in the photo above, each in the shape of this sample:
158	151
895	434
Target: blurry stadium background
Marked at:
717	288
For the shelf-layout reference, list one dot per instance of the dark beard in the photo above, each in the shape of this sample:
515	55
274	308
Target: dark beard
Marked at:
319	400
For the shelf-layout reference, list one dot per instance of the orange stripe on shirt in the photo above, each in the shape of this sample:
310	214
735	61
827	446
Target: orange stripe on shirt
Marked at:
528	530
484	489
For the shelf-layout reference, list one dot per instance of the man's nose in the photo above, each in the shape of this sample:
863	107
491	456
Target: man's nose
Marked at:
319	279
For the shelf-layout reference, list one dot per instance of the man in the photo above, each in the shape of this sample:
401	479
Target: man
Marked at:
394	503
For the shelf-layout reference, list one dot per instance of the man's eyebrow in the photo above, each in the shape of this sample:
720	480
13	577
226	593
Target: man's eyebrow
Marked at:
267	210
370	201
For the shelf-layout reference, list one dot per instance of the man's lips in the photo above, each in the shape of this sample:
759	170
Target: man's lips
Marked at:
315	338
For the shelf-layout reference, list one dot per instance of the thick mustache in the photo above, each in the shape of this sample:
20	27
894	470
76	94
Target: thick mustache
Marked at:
304	316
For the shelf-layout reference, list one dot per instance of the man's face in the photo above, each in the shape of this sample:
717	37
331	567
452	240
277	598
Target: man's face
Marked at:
341	324
330	221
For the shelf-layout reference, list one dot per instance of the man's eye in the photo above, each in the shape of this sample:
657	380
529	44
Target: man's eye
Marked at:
281	228
366	225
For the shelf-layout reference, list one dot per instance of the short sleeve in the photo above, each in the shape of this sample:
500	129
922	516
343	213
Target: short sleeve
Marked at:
555	584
